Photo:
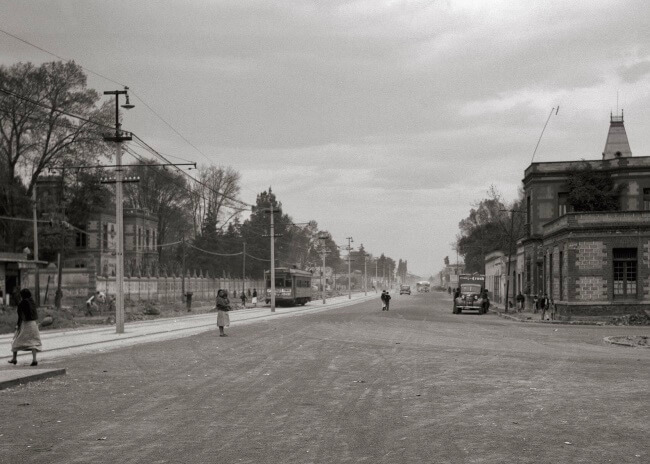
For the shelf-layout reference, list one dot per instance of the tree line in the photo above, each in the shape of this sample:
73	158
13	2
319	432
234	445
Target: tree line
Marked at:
51	123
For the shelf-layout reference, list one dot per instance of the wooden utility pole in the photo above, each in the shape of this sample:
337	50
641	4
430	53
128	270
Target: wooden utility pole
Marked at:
271	210
510	237
37	277
350	241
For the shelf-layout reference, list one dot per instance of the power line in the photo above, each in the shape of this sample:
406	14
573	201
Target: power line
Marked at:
37	103
114	82
61	58
213	253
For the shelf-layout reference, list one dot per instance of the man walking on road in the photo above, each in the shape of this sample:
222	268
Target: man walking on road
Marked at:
385	298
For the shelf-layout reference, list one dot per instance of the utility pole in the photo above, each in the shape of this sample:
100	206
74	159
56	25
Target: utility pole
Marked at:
350	241
118	138
376	275
365	274
243	272
58	295
324	252
37	277
271	210
510	237
183	271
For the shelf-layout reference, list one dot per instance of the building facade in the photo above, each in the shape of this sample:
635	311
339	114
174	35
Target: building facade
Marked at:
98	239
588	263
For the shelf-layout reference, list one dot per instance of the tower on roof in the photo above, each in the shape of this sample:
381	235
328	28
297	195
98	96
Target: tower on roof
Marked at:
617	145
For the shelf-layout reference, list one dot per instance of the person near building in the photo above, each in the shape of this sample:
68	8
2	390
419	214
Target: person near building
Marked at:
535	304
254	300
543	305
223	307
243	299
27	337
520	302
486	300
92	302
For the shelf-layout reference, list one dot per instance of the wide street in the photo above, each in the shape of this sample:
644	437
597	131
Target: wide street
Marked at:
351	384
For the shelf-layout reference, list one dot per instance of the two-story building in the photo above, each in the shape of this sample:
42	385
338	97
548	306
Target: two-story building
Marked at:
588	263
99	240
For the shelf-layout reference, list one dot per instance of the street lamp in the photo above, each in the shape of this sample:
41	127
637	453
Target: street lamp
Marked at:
118	138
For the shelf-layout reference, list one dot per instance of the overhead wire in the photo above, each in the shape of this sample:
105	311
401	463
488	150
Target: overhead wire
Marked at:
114	82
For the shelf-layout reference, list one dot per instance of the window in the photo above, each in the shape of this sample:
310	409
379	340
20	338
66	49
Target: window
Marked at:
80	239
147	238
550	274
625	272
646	199
562	203
528	212
153	239
561	265
105	236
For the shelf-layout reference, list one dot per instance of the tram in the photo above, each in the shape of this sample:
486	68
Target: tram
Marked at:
292	286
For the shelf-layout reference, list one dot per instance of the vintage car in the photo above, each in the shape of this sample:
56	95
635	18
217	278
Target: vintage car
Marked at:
405	290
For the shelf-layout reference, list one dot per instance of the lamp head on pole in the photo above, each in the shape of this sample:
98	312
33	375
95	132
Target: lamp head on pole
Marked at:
127	105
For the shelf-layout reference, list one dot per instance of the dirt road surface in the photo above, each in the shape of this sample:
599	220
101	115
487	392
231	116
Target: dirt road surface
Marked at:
415	384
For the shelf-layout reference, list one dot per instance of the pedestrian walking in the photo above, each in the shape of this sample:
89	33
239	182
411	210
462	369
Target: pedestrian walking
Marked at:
243	299
223	307
27	337
543	304
520	302
535	304
254	301
383	300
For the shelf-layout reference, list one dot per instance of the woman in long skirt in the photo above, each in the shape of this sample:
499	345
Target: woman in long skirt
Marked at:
223	307
27	337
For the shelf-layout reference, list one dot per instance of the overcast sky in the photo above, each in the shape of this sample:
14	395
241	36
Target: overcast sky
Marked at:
381	120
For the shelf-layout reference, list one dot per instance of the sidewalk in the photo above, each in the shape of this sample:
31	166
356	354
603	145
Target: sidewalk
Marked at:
63	343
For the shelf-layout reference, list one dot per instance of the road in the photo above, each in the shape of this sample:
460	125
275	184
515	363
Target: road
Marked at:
415	384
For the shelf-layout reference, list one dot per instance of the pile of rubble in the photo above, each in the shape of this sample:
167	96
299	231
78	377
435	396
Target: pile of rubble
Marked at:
631	319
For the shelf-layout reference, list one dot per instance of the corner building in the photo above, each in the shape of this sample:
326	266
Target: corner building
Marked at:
594	263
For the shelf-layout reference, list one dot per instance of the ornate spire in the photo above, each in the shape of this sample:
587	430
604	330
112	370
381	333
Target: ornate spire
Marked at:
616	145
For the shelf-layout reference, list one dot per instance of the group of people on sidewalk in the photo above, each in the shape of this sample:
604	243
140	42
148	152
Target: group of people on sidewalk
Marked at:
541	304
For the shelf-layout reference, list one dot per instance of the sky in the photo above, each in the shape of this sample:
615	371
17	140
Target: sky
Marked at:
381	120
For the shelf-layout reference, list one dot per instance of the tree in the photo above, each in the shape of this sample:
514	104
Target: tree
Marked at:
214	199
488	229
35	132
164	194
592	190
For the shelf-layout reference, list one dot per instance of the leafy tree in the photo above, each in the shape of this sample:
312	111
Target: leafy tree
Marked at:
593	190
487	229
36	134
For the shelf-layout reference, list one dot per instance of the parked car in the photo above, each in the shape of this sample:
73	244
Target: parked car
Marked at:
405	290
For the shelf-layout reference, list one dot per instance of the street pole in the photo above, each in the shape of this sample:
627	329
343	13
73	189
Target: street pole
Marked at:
322	276
376	275
365	274
272	261
243	273
272	210
350	241
511	236
58	295
118	138
183	270
37	277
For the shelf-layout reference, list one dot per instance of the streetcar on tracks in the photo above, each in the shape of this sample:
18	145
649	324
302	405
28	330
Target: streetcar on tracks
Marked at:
292	286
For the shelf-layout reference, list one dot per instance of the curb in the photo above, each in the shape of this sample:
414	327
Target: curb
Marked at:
14	377
614	341
537	321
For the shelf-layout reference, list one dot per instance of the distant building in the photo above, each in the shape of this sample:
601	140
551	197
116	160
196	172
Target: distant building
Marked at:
98	242
589	263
